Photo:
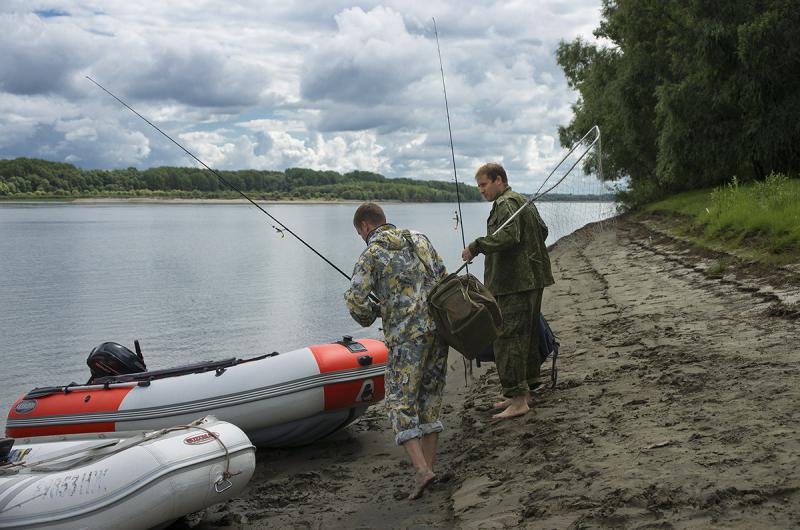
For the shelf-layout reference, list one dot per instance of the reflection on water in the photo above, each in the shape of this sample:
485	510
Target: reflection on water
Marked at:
193	282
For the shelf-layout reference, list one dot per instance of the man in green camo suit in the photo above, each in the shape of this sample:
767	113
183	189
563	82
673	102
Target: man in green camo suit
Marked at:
516	271
401	267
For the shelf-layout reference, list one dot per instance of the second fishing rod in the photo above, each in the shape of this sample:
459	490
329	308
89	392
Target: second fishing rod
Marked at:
596	141
283	227
459	216
539	193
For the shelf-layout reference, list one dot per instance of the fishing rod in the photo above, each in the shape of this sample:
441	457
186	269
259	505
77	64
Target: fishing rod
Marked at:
597	141
459	217
283	228
538	195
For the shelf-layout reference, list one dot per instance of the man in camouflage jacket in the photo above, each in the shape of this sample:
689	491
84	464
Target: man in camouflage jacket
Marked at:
516	271
401	267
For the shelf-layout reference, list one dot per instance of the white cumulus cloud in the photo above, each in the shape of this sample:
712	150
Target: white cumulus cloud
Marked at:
269	84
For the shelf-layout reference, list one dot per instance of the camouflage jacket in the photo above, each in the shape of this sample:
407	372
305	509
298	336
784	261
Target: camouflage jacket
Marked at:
516	257
392	269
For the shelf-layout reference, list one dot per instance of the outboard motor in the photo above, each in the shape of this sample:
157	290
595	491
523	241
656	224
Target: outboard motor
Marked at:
111	358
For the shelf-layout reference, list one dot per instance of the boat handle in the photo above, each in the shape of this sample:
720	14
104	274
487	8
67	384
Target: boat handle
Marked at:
222	484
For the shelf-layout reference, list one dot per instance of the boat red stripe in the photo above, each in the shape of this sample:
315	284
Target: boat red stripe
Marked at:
76	402
335	357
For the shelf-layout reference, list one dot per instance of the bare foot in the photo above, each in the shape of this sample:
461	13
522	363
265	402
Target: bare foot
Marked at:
507	403
502	404
517	407
422	480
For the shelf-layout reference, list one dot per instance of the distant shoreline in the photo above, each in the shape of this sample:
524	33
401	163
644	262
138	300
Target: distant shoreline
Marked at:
176	200
179	200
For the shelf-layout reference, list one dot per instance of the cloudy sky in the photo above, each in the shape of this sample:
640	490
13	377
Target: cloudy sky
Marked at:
270	84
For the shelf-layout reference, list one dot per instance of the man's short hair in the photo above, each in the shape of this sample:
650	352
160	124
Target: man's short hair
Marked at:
492	170
370	212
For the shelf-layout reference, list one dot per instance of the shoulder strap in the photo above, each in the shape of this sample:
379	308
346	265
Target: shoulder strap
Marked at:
517	201
410	241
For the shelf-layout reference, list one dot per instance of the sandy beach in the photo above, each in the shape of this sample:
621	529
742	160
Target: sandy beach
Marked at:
676	407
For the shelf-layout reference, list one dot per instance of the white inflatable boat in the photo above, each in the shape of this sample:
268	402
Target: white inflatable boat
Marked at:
123	481
285	399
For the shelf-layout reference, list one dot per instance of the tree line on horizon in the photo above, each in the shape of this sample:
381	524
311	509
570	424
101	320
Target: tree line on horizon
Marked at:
36	178
688	94
31	178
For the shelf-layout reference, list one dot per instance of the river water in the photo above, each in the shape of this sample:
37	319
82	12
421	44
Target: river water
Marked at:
193	282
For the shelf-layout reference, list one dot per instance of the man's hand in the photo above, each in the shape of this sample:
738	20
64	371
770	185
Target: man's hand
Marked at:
466	254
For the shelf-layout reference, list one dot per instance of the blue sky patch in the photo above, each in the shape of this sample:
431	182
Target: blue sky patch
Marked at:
50	13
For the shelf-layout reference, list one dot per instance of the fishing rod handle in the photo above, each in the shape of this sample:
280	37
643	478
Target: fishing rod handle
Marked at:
462	267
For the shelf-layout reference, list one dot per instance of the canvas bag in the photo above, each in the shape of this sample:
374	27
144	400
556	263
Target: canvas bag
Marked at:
466	314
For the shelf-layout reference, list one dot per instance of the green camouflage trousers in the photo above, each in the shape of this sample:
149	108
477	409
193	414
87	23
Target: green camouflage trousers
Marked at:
516	349
415	374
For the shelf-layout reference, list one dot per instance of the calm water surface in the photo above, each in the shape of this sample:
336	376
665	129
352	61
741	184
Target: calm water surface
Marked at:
193	282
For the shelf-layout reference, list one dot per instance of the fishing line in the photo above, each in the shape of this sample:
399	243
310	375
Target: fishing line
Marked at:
231	186
538	195
459	216
594	129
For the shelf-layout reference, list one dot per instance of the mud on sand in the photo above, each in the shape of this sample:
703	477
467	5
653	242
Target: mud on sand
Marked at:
676	407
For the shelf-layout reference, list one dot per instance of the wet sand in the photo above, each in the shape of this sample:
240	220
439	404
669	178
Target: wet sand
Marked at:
676	407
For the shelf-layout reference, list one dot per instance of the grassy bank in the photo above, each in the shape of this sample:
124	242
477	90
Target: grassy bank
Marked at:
759	221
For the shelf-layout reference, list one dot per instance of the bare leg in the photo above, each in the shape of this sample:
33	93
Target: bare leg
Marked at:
424	475
429	442
518	407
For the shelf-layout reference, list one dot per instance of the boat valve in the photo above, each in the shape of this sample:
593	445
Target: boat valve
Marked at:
365	360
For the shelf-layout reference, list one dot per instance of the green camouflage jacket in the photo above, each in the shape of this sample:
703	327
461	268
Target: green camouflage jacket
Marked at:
393	270
516	258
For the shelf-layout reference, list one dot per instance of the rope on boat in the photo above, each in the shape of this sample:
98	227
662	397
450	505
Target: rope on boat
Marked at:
219	485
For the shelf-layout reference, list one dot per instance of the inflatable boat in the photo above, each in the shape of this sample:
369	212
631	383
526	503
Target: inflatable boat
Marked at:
278	400
125	480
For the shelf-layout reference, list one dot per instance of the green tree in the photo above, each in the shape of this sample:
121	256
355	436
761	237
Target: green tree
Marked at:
689	93
41	178
617	86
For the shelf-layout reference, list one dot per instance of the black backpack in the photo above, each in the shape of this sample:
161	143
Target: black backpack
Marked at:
548	345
